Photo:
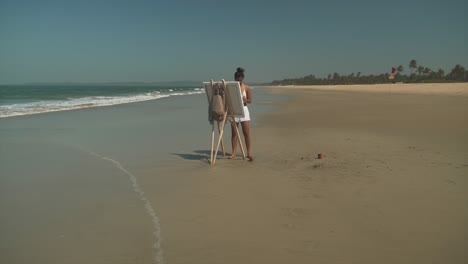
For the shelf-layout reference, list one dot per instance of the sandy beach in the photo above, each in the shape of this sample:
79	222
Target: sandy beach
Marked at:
391	188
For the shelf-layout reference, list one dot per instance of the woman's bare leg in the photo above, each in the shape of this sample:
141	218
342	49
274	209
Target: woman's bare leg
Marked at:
246	131
233	140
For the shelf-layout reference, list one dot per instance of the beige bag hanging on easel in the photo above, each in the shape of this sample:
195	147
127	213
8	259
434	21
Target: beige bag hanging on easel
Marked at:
217	110
217	105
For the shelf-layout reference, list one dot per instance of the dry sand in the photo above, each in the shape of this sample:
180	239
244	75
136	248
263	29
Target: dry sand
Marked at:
421	88
392	186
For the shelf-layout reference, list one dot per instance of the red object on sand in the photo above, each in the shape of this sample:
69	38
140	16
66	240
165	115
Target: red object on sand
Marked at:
320	156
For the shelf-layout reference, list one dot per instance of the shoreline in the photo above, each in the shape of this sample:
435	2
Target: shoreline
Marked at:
87	105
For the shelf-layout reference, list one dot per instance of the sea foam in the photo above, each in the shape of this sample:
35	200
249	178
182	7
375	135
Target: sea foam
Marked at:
30	108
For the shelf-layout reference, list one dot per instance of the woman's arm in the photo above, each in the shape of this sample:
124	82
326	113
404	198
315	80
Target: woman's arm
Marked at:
248	100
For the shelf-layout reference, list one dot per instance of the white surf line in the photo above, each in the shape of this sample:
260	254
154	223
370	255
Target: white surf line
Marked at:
158	258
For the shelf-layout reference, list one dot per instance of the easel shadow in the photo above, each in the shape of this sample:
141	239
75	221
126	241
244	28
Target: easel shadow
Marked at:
200	155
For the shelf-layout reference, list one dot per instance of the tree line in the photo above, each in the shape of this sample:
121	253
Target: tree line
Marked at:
418	74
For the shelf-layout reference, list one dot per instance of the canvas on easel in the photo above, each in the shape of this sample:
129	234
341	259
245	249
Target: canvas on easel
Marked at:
233	91
233	106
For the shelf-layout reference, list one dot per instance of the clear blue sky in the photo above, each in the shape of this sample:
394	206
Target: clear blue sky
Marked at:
100	41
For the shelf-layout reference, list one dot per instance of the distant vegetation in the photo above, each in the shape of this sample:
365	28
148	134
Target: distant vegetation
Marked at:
418	74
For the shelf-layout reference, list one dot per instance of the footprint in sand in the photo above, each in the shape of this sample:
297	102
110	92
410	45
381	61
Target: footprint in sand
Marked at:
451	182
319	196
290	226
294	212
317	166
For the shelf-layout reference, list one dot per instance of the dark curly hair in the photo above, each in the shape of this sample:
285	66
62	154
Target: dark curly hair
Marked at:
239	73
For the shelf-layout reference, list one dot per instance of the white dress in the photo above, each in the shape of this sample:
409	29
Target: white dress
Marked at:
246	112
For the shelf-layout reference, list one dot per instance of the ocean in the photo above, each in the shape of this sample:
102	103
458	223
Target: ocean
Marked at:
17	100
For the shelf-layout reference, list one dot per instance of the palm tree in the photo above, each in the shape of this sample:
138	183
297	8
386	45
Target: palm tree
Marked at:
420	70
413	65
440	74
457	73
427	71
400	69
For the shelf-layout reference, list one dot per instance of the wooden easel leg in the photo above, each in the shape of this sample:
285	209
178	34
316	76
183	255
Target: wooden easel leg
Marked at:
239	138
222	141
220	137
212	143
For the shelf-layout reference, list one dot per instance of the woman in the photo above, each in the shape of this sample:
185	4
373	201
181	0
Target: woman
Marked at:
245	121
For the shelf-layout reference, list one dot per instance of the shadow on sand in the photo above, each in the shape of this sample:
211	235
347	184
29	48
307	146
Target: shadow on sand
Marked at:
201	155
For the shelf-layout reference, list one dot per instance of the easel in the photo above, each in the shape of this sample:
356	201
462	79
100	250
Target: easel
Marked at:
227	115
